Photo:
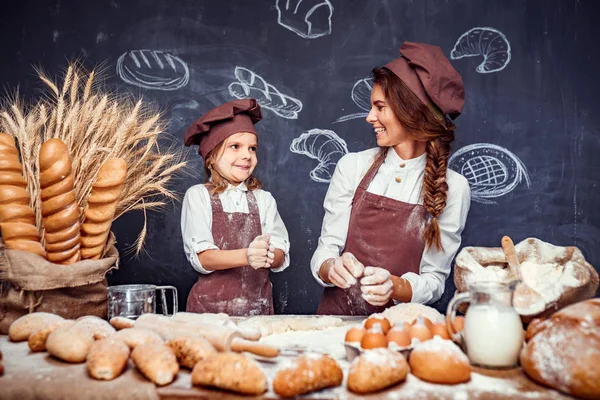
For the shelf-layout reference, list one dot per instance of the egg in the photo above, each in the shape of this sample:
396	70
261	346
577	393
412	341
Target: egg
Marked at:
373	340
383	322
420	331
354	334
459	323
439	328
426	321
398	336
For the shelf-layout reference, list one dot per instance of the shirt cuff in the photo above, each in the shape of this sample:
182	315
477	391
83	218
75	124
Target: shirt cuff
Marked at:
283	245
316	263
197	249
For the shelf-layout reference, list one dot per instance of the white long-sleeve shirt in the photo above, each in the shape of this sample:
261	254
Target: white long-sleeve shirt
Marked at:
400	180
196	221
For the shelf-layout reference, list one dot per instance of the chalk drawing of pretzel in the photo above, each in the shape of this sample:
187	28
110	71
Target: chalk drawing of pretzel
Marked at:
324	146
250	84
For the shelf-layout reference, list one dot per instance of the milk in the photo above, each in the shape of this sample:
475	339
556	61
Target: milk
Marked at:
493	336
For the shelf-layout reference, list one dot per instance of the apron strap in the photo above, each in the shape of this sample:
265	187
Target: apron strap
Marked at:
252	203
366	180
216	204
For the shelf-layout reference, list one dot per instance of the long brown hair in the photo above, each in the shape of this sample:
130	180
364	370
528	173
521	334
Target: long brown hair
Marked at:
218	184
424	123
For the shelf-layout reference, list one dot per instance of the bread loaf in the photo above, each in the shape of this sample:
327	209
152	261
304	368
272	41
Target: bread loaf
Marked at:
190	350
121	323
60	212
102	205
24	326
70	343
107	359
17	220
37	340
440	361
376	370
157	362
99	328
134	337
230	371
307	373
564	351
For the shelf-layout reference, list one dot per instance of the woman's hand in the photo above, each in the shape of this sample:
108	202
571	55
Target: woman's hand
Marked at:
258	252
376	286
343	271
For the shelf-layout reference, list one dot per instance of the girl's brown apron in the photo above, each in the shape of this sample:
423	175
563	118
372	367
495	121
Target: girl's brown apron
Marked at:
384	233
241	291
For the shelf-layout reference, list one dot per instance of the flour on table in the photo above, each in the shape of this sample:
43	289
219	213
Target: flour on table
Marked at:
408	312
268	325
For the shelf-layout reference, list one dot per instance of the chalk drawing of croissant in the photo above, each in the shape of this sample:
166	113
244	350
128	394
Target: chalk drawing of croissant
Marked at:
252	85
361	96
492	171
308	19
153	69
487	42
323	145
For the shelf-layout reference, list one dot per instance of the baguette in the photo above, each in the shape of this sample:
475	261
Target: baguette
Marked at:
60	212
17	219
107	359
102	205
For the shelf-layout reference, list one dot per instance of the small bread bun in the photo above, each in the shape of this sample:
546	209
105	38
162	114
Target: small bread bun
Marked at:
440	361
376	370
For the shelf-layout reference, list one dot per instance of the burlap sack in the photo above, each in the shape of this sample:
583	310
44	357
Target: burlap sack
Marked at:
471	262
31	283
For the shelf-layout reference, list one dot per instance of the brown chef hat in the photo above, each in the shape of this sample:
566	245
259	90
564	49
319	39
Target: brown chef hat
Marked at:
221	122
429	74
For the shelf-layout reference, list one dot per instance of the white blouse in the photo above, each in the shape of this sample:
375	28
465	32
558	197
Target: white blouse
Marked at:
400	180
196	221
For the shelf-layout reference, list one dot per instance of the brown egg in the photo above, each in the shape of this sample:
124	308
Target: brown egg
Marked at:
384	322
373	340
426	321
420	331
404	325
459	323
398	336
354	334
439	328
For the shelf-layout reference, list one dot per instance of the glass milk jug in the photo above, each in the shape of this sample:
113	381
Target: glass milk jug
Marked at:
493	332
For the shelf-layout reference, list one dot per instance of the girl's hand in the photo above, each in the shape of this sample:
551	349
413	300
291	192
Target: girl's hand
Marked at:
345	271
376	286
258	252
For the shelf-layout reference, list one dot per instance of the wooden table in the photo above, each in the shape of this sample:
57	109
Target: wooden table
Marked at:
39	376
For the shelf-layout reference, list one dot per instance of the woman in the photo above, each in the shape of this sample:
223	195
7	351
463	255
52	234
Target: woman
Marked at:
394	214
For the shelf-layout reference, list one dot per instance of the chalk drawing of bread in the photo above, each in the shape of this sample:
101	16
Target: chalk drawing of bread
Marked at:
17	220
361	93
492	171
323	145
252	85
308	19
153	69
487	42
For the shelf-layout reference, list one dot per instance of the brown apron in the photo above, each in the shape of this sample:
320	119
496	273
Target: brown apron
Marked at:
382	232
241	291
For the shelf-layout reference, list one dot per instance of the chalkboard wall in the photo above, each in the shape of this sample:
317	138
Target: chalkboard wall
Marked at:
528	140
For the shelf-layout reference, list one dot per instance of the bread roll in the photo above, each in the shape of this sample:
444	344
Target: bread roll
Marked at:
307	373
102	205
99	328
376	369
440	361
70	343
17	219
190	350
564	353
230	371
157	362
37	340
121	323
134	337
60	212
107	359
24	326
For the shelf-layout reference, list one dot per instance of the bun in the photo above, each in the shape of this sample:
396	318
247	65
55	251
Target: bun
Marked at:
307	374
60	211
563	352
376	370
107	359
440	361
155	361
230	371
102	205
17	220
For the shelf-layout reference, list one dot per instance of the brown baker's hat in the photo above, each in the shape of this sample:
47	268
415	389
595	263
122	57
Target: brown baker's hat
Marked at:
221	122
428	73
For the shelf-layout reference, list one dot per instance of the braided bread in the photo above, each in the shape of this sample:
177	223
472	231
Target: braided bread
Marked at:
60	212
17	220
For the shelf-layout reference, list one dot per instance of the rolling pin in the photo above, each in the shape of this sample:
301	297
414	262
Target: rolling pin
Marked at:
222	338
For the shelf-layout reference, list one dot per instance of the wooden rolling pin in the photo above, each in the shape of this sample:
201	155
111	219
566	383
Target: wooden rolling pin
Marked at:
223	338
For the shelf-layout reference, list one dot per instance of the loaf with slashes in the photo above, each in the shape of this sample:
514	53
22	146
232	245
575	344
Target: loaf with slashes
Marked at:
60	211
17	219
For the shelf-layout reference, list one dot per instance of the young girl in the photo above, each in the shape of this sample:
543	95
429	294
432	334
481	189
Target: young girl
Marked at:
232	233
